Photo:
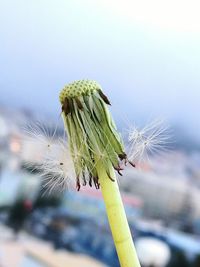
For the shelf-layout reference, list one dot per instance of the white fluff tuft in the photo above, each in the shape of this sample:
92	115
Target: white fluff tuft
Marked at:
152	139
50	156
57	169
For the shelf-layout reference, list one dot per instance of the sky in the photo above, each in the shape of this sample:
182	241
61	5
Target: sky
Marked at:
145	54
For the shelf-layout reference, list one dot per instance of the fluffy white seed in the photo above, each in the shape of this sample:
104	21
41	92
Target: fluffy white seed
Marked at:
152	139
50	155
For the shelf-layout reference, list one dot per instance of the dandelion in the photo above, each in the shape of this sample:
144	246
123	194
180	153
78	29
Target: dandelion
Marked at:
97	149
91	153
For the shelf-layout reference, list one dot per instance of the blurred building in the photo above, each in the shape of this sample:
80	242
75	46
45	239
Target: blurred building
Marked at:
164	196
92	199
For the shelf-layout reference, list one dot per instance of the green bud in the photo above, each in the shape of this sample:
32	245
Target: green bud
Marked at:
91	130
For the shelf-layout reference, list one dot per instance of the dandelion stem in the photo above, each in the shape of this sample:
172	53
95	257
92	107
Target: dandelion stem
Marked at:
92	133
117	218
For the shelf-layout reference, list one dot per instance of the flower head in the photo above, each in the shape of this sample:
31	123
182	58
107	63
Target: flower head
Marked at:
91	130
92	137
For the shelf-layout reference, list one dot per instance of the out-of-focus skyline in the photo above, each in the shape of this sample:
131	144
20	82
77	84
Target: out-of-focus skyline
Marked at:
145	55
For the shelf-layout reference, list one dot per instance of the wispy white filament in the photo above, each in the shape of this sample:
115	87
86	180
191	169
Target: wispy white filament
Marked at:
150	140
51	156
57	168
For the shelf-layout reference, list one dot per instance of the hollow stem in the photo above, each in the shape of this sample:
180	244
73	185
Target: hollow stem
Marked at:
117	219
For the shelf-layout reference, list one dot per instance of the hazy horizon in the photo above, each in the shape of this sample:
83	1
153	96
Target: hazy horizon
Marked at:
145	56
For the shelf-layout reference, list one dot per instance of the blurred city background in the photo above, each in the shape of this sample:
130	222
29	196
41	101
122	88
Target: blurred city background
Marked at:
146	56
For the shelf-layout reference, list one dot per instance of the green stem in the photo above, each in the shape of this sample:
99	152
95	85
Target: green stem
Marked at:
117	219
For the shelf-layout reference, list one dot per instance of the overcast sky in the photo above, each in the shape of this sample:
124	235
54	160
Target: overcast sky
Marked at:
145	54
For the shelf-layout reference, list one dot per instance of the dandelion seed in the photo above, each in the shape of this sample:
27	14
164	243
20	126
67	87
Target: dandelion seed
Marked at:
39	140
150	140
51	157
57	169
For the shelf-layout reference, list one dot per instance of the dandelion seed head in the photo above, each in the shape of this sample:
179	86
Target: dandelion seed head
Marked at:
92	138
92	133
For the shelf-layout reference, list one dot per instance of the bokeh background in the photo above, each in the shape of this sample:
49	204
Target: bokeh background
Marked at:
146	56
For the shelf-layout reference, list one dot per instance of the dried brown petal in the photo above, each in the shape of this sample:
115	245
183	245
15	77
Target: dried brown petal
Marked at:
66	106
104	97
